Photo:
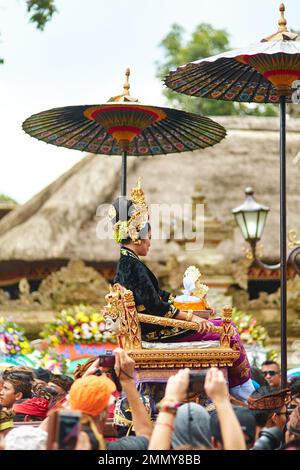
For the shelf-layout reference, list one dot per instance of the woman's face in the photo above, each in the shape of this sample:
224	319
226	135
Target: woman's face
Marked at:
145	245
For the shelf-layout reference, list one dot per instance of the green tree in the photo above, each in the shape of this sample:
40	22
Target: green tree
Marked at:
41	11
204	42
4	198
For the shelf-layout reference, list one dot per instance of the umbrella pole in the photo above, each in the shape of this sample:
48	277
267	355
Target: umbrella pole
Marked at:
124	174
283	256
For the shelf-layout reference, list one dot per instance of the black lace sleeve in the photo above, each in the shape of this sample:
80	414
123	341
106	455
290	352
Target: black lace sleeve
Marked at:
134	275
165	296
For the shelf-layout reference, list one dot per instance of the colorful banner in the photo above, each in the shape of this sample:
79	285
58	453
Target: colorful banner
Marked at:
81	351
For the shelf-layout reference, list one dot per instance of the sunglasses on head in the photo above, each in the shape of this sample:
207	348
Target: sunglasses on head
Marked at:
271	373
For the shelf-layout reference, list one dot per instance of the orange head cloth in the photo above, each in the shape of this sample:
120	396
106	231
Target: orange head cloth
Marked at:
91	394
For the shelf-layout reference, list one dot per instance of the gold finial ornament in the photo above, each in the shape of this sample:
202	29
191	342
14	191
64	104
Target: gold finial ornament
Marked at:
282	21
227	313
126	85
282	34
125	96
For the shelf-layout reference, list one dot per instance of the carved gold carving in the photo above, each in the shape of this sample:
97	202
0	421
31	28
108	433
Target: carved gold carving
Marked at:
183	324
121	317
212	357
121	313
154	320
227	328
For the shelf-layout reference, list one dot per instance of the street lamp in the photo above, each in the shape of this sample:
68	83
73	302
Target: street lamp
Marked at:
251	217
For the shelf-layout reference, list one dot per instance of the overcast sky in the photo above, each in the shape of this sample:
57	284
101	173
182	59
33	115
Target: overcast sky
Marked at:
80	59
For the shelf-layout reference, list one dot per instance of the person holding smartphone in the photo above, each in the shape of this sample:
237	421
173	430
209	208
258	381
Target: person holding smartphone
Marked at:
91	396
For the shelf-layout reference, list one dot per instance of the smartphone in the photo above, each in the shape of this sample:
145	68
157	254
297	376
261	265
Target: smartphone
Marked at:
196	382
107	360
67	429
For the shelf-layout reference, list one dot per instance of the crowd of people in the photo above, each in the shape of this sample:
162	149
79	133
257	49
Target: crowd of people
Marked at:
245	410
33	400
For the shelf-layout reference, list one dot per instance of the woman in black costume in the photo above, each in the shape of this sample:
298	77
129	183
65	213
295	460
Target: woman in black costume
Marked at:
133	232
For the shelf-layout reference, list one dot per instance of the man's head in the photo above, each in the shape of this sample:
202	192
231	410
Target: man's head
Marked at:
42	376
91	394
294	386
34	409
271	371
293	426
247	423
191	426
16	386
269	407
61	383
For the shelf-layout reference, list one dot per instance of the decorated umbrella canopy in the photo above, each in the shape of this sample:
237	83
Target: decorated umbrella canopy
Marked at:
266	72
122	126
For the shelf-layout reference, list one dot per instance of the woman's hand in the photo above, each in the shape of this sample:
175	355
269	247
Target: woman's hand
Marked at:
204	325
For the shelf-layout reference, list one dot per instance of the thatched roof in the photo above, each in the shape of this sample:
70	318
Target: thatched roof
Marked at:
60	221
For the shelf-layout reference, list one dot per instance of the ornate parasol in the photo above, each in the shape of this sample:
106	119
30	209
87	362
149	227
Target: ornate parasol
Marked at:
265	72
123	126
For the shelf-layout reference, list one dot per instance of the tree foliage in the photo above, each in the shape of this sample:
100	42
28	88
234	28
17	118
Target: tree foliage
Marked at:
41	11
4	198
205	41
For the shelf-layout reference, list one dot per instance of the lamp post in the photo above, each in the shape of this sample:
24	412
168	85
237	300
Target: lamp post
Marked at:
250	218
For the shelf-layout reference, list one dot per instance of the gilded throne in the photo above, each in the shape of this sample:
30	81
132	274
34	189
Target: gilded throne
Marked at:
155	362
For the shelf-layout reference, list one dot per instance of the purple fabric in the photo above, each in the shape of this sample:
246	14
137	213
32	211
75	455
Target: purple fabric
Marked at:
240	372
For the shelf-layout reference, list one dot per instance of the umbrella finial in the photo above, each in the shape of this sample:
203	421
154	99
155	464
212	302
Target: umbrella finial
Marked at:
282	21
282	34
125	95
126	85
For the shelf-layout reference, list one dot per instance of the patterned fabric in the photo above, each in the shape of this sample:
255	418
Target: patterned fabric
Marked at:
231	76
123	413
6	419
271	401
240	372
97	128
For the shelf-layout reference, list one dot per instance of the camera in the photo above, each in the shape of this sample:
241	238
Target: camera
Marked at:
107	360
269	439
196	383
63	429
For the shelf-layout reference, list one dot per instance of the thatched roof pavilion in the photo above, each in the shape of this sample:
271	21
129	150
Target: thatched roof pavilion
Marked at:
59	223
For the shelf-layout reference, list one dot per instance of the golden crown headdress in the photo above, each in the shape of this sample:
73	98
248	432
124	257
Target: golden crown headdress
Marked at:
139	217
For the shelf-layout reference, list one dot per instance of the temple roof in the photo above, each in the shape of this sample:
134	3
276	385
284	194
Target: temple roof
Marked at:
60	221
